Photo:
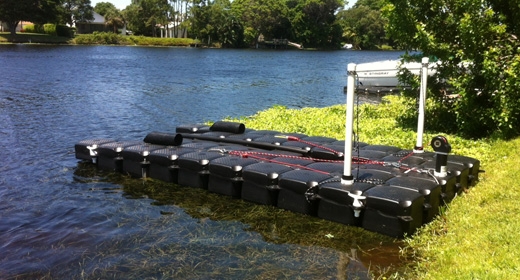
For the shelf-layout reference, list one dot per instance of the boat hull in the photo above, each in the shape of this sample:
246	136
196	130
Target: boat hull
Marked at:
385	73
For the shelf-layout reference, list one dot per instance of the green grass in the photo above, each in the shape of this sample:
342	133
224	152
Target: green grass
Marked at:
377	125
101	38
477	236
107	38
34	38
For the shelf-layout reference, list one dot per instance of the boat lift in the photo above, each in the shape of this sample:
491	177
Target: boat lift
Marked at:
348	178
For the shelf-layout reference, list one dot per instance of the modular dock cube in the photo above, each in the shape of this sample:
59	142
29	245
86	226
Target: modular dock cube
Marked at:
261	182
336	203
135	159
331	168
393	211
109	155
87	149
164	163
297	188
225	175
194	168
429	188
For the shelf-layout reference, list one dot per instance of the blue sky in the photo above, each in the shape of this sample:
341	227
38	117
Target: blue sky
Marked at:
121	4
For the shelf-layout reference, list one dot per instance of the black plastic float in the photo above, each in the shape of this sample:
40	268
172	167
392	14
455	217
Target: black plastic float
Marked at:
394	192
135	161
86	149
261	182
296	190
194	168
225	175
109	155
380	188
164	163
392	211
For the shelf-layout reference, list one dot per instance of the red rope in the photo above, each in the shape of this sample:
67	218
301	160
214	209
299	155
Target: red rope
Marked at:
263	156
293	138
405	157
253	155
258	155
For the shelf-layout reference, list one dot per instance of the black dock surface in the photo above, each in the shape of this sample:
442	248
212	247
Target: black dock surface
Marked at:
395	191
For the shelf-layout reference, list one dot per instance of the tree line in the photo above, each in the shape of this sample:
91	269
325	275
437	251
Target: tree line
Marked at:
476	91
238	23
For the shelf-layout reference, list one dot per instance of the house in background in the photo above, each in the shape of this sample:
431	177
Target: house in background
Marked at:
173	30
98	24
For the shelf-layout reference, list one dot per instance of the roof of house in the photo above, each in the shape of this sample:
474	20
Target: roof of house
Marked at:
98	18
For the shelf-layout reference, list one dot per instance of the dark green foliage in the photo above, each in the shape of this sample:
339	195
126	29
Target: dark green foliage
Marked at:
363	25
314	23
109	38
72	11
144	16
222	23
50	29
244	22
38	12
477	85
64	31
32	28
104	8
105	38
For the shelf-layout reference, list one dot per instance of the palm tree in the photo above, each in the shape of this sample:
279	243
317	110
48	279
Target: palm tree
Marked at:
114	18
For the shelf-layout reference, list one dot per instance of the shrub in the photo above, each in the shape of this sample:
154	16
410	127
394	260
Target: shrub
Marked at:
64	31
33	28
108	38
49	28
102	38
30	28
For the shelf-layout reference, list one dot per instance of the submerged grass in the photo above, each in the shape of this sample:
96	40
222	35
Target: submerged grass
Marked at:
476	236
258	241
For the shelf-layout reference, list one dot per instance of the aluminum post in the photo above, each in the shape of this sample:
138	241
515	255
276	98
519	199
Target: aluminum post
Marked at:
422	103
347	178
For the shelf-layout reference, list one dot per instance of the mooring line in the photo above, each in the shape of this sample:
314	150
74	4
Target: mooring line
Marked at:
263	155
315	145
255	156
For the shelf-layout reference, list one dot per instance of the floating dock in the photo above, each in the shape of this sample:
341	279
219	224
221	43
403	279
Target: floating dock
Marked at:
394	191
384	189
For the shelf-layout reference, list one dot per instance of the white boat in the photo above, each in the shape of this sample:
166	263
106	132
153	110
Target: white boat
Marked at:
384	73
347	46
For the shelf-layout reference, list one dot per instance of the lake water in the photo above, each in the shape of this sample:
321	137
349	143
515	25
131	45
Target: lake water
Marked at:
59	219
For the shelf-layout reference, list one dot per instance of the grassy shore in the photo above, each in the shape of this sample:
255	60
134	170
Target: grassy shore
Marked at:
33	38
476	236
103	38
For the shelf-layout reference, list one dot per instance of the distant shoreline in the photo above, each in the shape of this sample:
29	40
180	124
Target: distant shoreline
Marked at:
95	39
113	39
